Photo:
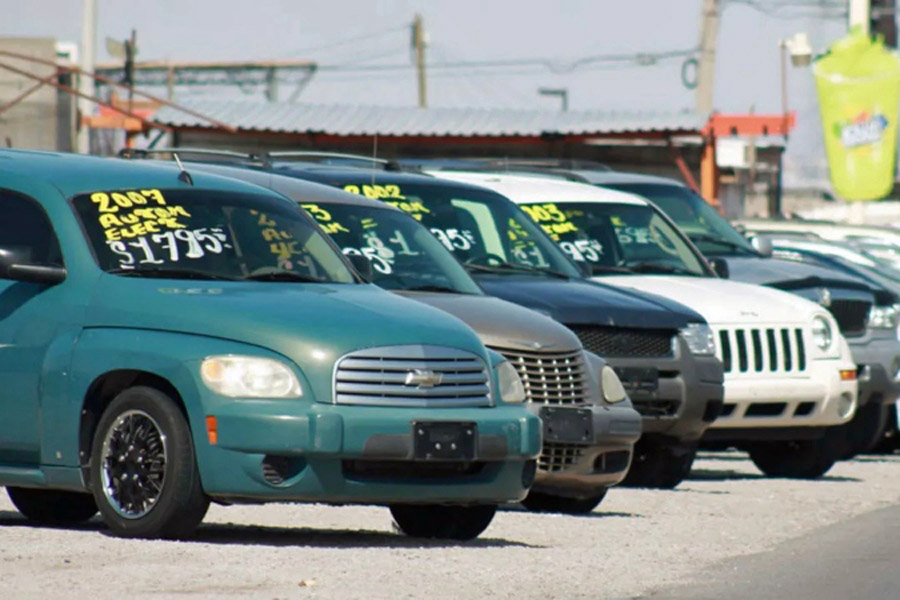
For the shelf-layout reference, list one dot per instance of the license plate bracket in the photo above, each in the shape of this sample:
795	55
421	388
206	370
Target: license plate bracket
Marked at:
568	425
638	380
444	440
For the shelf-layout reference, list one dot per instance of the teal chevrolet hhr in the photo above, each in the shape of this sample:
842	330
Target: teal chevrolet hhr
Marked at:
167	341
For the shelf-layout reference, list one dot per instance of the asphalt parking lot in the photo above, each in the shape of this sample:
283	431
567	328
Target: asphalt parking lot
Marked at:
636	543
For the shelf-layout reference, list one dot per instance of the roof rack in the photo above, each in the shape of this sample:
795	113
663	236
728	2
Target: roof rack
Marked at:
505	164
336	158
205	153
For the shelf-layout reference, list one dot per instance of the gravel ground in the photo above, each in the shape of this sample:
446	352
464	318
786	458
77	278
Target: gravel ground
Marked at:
635	541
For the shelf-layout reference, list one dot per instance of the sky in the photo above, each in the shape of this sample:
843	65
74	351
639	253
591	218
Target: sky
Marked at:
344	36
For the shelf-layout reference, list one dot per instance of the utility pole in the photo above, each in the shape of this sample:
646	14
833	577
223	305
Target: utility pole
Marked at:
86	84
884	21
418	42
858	15
706	70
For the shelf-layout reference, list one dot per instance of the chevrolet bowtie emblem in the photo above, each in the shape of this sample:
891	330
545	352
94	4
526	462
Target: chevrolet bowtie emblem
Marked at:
424	378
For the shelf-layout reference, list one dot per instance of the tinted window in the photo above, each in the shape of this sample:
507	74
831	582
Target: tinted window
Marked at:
712	234
479	227
26	236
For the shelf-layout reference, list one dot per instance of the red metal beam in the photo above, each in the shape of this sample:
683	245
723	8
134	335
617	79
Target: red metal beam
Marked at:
40	83
720	125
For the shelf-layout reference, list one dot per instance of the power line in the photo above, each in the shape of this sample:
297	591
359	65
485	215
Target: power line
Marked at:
346	41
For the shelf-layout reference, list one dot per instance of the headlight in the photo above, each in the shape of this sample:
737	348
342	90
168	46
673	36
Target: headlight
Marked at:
511	388
821	332
249	377
884	317
699	338
613	390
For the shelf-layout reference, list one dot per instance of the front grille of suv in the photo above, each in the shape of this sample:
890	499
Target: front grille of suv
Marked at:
757	350
852	316
413	375
611	342
550	377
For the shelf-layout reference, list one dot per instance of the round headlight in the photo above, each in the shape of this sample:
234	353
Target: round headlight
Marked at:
613	390
511	388
822	335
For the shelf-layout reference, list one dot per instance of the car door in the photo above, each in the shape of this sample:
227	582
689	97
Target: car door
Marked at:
27	326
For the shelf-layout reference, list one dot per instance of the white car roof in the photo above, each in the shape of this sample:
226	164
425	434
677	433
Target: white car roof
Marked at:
528	189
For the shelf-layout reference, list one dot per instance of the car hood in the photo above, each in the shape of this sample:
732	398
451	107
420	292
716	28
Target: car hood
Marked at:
311	324
785	274
724	302
502	324
582	302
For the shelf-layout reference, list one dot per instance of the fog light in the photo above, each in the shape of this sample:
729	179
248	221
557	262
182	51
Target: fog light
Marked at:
846	404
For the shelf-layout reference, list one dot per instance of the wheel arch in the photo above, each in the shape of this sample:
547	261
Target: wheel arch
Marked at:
102	391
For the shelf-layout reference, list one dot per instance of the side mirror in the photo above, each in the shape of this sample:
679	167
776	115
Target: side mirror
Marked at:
719	266
763	245
362	265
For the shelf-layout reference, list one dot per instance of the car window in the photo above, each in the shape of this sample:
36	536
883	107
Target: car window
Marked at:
26	236
205	232
605	234
403	253
480	227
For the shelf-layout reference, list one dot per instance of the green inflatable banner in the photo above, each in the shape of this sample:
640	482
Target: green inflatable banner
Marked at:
858	82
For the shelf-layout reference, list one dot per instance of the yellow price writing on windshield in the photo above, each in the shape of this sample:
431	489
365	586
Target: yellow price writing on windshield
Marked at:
375	191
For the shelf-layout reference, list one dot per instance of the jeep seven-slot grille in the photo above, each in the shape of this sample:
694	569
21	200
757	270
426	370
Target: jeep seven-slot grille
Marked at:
852	316
620	342
550	377
772	350
412	375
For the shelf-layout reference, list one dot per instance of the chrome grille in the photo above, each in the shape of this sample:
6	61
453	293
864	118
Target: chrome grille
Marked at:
757	350
550	377
620	341
412	375
557	457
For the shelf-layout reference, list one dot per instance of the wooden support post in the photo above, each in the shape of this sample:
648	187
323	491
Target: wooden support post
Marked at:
709	172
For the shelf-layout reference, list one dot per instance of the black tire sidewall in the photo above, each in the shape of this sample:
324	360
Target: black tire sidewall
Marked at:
181	483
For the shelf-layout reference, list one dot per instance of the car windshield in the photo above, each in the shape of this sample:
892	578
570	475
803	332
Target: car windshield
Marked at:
404	255
206	234
615	238
709	231
484	230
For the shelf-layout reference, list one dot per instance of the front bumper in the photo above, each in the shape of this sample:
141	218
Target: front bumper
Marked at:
878	363
688	397
272	451
585	469
757	402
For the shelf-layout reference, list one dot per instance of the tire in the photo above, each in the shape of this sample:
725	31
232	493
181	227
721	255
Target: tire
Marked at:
659	466
52	507
865	430
443	522
801	459
538	502
144	436
888	440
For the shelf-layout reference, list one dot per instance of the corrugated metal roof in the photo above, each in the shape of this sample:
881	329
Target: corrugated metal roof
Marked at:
344	120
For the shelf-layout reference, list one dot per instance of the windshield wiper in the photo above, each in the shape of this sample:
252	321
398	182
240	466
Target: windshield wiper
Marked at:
506	267
714	239
432	288
282	275
170	273
609	269
649	266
